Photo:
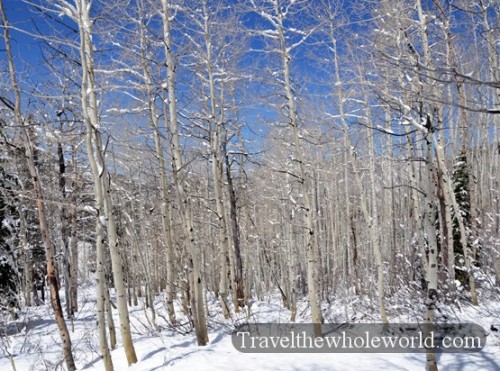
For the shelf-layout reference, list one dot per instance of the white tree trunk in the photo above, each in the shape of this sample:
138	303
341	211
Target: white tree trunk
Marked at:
369	220
101	287
432	268
179	172
304	179
100	175
440	156
160	155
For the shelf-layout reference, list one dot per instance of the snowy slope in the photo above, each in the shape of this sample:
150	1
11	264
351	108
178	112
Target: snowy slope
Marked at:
33	342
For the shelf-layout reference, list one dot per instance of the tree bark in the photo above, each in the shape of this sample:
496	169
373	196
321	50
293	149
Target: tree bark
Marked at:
432	270
100	174
165	202
179	173
311	247
235	227
50	252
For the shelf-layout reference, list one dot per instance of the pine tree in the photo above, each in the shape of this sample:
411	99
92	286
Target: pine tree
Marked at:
461	190
9	272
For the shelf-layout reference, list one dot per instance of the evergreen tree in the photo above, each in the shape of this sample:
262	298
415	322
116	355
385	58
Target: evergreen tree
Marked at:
461	190
9	273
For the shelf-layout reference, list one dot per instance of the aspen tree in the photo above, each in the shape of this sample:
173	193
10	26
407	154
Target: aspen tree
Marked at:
369	220
160	155
446	182
80	13
50	252
179	174
276	17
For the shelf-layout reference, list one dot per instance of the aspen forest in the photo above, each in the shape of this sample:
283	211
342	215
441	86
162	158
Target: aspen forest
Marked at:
173	169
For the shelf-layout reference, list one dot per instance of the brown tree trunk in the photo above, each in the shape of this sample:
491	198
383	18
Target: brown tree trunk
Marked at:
50	253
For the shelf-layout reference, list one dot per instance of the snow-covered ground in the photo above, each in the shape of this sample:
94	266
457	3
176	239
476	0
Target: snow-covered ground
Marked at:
34	342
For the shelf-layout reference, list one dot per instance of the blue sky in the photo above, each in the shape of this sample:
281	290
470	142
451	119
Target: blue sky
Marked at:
312	65
20	16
